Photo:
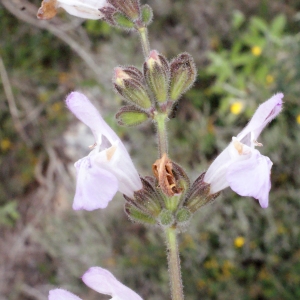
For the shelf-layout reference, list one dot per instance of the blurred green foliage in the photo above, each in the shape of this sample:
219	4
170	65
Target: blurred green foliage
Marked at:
247	67
259	59
97	28
9	214
39	79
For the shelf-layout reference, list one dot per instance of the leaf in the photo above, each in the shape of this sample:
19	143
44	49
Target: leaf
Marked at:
147	14
258	23
238	19
278	25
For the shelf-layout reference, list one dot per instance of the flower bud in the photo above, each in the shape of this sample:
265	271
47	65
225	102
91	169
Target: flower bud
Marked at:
147	14
199	194
147	199
166	218
183	215
157	75
137	215
130	8
183	75
122	21
146	205
108	13
183	218
129	84
182	180
131	116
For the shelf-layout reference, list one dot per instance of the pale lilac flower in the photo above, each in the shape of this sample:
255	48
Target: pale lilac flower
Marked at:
240	165
108	167
60	294
102	281
87	9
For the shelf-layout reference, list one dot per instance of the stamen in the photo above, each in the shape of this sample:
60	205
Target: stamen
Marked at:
93	146
257	144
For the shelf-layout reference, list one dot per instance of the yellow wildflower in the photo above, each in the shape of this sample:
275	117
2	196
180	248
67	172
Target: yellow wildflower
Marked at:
256	50
211	264
226	269
63	77
57	106
201	284
298	118
5	144
236	107
228	264
281	229
43	96
239	242
269	79
264	274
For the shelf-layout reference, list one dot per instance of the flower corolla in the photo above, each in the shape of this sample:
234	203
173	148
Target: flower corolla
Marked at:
240	165
108	167
87	9
102	281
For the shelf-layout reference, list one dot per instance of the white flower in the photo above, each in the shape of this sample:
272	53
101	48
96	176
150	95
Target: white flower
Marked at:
108	167
87	9
240	165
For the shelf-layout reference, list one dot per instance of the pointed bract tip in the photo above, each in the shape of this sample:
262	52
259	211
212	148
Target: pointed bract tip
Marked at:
120	75
154	55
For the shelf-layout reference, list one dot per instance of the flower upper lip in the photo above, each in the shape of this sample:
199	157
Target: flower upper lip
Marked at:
265	113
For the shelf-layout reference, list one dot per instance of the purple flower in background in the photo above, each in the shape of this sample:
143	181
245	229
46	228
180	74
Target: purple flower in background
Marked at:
102	281
108	167
240	165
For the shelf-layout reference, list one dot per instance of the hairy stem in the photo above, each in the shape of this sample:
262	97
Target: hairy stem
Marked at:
174	264
162	137
143	31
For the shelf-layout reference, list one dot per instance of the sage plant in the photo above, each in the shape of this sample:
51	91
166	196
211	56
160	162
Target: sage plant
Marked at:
165	198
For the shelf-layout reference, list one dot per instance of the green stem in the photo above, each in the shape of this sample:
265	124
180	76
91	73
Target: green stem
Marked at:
161	120
174	264
143	31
